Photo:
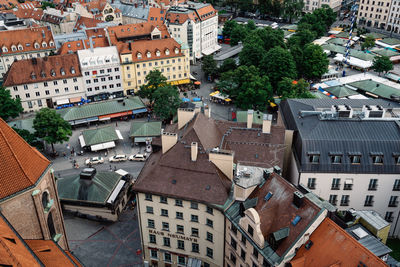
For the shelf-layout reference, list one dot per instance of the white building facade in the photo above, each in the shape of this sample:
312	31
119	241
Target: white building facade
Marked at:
101	72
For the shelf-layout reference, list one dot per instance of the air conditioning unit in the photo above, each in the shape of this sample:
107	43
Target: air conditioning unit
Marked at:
343	111
373	111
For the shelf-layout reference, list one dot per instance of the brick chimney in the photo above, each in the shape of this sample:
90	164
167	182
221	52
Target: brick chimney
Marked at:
168	140
184	116
194	150
266	125
250	113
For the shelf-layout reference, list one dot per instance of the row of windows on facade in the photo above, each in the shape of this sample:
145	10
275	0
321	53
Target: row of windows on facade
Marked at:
369	200
180	259
150	64
47	92
370	15
19	47
104	87
234	245
179	216
7	59
158	54
103	79
45	84
180	243
178	203
52	73
102	71
348	184
168	78
378	10
373	3
377	158
162	70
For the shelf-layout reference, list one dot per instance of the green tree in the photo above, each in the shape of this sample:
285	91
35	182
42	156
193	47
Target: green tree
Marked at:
301	38
227	65
288	88
315	62
209	66
251	52
271	37
228	28
166	102
382	64
9	107
292	9
238	34
319	20
297	54
29	137
368	43
155	80
50	127
277	64
251	26
47	4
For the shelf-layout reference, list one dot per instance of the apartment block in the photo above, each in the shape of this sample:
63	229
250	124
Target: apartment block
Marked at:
101	71
45	82
374	13
347	152
24	44
195	24
311	5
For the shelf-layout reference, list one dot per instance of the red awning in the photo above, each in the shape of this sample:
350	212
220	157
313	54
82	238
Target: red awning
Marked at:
115	115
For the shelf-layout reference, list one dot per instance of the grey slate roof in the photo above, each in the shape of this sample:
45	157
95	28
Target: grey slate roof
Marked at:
131	11
370	242
343	136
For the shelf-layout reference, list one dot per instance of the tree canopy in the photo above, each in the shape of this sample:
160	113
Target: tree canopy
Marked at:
155	79
382	64
209	66
50	127
368	42
315	62
227	65
166	102
9	107
288	88
319	20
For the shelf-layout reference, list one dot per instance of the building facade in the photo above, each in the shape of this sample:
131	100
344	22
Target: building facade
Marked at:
45	82
311	5
373	13
24	44
101	71
28	195
346	151
195	24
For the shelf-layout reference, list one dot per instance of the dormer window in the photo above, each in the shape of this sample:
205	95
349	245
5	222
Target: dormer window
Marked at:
51	43
20	48
72	70
43	74
336	158
158	53
167	52
44	44
313	157
176	50
148	54
377	158
355	159
33	76
37	46
62	71
5	50
139	56
52	73
13	48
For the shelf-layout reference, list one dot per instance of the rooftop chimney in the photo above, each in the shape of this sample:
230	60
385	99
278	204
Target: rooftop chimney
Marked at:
207	111
298	199
194	151
223	159
250	113
168	140
266	126
87	173
184	116
91	44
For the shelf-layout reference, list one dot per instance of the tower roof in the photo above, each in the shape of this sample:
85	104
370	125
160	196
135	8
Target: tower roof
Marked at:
21	165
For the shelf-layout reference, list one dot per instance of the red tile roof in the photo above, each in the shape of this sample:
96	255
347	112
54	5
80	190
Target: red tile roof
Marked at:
84	22
35	14
97	32
50	254
96	4
27	38
152	46
13	249
333	246
156	15
206	12
135	30
74	46
44	69
180	18
21	165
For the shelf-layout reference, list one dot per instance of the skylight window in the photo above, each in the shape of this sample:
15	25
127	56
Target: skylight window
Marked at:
268	196
296	220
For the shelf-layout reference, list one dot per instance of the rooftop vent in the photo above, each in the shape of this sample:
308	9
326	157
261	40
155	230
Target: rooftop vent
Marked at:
266	174
298	199
88	173
277	170
174	181
309	244
296	220
359	233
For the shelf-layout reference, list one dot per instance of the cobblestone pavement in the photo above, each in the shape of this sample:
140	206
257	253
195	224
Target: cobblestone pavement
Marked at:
105	244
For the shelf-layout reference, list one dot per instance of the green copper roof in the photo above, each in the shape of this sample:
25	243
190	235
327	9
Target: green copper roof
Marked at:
390	41
145	129
376	88
340	91
386	52
101	108
257	117
24	124
96	190
337	41
353	52
100	135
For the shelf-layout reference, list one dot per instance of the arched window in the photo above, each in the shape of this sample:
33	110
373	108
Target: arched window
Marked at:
45	199
176	50
13	48
167	52
139	55
44	44
51	43
37	46
158	53
148	54
20	47
5	50
50	225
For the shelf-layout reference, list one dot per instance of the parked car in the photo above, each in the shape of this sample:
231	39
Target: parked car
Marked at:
138	157
94	160
117	158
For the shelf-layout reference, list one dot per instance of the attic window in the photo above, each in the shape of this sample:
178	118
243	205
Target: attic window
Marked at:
377	159
158	53
313	158
139	56
52	73
5	50
13	48
148	54
62	71
355	159
336	159
51	43
268	196
20	47
72	70
44	44
167	52
43	74
33	76
12	240
176	50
